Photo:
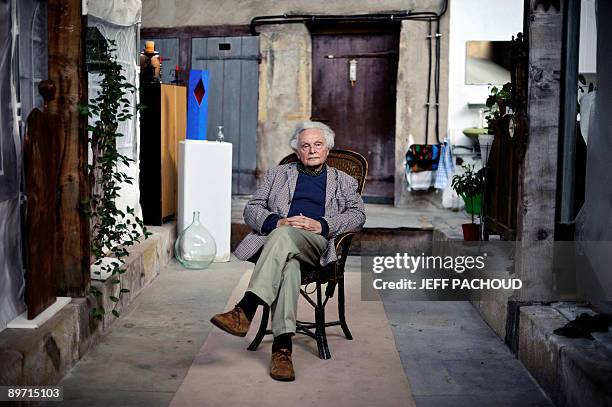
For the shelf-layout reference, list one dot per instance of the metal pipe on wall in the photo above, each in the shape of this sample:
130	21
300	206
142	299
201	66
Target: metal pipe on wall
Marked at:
569	110
288	18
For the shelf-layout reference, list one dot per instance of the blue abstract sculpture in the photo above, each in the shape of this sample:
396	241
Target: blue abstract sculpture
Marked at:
197	105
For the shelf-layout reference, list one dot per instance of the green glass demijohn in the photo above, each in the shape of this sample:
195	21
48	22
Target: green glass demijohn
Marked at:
195	248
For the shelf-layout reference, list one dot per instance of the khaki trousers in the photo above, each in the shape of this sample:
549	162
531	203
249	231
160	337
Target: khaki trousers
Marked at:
276	277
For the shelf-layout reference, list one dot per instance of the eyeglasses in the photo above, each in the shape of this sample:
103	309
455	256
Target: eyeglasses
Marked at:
316	146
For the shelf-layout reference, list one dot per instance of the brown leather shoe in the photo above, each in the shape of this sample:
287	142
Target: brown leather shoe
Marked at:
233	322
281	367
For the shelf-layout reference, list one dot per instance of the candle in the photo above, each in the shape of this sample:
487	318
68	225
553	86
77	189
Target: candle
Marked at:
149	46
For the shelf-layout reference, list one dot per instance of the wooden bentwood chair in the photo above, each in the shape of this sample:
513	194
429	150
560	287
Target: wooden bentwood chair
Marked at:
356	166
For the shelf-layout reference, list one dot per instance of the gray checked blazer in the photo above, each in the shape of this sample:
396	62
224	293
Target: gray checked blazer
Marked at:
344	210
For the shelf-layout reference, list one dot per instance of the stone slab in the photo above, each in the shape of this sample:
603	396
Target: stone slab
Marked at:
572	371
422	215
22	321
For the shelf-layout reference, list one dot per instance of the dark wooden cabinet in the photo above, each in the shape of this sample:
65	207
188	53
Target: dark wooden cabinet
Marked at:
162	126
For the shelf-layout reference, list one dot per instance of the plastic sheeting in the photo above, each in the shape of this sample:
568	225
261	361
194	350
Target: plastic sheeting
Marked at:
9	180
595	219
12	283
126	42
119	12
11	270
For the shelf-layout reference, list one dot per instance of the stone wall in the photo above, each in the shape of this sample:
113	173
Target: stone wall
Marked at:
284	89
174	13
410	113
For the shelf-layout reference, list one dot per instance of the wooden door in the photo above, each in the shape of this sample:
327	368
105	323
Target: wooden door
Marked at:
361	114
507	153
233	65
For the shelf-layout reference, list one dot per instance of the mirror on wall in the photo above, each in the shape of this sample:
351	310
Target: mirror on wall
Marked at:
487	62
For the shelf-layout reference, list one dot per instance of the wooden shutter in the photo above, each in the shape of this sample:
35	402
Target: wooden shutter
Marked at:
234	84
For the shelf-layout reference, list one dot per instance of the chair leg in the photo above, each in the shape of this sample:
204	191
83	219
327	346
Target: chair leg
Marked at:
262	329
341	313
320	327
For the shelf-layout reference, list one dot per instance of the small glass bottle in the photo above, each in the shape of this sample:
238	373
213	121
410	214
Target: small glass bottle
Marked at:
220	136
195	248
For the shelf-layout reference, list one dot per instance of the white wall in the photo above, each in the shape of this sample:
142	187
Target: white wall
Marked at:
493	20
587	61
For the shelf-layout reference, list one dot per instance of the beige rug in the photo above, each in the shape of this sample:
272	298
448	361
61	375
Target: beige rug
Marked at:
363	372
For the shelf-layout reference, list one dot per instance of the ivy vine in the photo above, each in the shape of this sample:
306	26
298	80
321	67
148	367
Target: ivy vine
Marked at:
112	230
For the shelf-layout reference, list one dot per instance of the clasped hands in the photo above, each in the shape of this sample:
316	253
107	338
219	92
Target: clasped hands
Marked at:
301	222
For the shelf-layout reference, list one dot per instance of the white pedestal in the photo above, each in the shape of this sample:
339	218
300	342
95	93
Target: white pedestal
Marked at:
205	185
22	321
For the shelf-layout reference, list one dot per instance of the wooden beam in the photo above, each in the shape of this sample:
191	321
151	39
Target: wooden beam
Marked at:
195	31
538	171
66	35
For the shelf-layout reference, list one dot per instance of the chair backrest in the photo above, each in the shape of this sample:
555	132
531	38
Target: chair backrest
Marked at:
354	164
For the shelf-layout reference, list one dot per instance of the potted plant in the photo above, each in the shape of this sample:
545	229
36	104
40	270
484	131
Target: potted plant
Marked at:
499	107
470	187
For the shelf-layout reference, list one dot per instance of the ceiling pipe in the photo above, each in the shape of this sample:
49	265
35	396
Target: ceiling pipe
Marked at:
288	18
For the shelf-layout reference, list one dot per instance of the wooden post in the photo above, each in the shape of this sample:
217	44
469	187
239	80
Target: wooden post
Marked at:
538	171
66	35
40	155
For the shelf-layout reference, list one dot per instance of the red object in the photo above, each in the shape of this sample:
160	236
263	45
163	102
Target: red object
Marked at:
199	92
471	232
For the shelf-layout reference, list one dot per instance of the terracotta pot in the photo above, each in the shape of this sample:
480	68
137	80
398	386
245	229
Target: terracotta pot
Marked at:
471	232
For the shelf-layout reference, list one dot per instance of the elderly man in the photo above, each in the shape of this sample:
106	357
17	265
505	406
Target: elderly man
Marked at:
295	215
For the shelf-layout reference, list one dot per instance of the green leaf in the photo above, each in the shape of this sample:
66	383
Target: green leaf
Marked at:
83	109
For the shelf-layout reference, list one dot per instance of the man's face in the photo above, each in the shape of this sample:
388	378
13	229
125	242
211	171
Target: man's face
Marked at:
311	148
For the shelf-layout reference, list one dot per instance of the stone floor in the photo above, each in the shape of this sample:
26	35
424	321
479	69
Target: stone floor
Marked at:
144	358
449	354
452	358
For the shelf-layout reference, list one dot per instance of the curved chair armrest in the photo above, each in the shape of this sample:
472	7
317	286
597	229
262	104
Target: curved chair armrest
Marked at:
343	241
343	244
336	269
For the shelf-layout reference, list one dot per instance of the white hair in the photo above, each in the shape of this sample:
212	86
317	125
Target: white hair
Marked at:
328	133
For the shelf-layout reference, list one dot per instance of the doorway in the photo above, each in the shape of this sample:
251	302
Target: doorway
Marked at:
359	106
